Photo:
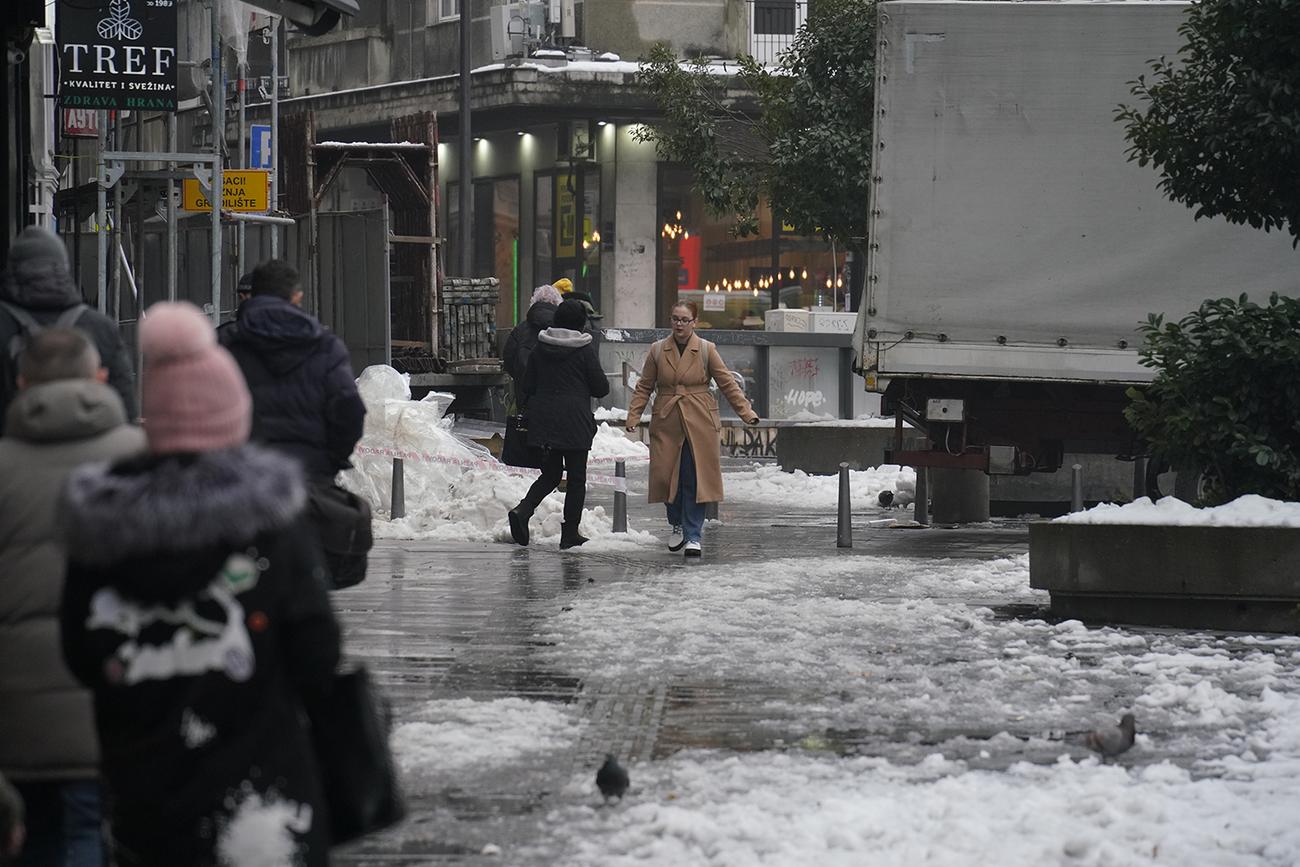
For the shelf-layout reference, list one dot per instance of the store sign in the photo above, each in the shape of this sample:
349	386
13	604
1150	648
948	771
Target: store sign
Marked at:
117	54
243	190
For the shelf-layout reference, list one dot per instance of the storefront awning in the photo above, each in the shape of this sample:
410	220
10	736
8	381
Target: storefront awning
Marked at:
313	17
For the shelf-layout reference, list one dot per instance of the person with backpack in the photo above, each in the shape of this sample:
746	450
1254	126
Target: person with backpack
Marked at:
563	375
685	450
37	291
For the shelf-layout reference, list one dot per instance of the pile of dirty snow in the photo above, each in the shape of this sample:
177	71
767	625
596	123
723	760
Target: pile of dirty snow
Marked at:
455	489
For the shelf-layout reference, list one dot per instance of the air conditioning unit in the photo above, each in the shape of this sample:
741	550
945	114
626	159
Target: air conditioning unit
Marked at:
516	26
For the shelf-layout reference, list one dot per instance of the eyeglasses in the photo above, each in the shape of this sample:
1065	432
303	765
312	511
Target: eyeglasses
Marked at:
682	320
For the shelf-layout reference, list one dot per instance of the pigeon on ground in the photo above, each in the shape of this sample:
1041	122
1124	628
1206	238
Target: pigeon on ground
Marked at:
1110	742
611	779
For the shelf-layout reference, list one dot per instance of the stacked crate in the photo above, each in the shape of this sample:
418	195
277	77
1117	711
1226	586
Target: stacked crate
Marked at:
469	317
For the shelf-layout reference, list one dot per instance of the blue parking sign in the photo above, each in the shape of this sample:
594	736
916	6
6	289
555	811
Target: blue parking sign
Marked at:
259	143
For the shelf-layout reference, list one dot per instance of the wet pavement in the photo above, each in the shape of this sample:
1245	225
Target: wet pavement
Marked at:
440	621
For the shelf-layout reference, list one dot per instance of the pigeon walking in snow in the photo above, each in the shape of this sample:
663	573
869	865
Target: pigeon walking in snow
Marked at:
1111	741
612	778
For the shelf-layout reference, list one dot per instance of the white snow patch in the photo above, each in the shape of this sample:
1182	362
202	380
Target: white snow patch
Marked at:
771	484
795	808
1250	510
442	738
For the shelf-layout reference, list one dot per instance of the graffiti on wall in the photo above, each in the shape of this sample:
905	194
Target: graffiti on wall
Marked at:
744	441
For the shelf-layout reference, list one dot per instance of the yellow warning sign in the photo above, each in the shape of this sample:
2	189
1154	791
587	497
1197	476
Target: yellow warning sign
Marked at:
242	190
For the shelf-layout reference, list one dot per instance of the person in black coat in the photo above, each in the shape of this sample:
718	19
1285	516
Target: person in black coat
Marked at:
196	612
37	282
564	373
305	399
523	337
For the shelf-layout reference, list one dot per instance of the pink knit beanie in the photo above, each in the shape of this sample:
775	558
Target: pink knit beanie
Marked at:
194	397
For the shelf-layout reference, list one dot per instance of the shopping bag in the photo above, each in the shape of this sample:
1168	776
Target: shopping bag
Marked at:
350	735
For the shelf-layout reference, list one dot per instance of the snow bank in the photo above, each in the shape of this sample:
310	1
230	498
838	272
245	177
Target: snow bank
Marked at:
770	484
455	489
1250	510
703	808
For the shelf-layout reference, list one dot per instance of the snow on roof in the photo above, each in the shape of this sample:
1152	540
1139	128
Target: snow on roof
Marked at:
371	144
1250	510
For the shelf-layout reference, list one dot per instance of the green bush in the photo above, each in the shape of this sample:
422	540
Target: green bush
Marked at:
1226	397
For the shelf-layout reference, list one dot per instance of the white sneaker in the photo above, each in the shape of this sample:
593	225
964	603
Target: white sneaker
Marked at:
693	549
676	539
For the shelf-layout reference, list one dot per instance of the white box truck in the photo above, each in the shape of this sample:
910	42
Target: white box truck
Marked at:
1014	249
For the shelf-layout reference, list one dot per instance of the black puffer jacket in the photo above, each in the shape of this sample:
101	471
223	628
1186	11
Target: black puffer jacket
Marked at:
305	400
196	612
523	338
563	375
44	292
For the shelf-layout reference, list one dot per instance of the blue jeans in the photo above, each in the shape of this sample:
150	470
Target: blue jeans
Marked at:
684	512
63	824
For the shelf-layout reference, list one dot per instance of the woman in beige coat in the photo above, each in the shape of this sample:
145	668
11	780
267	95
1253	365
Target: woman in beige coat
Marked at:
685	448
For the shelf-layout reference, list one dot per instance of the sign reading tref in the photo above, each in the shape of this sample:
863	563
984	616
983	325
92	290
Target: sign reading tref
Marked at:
117	54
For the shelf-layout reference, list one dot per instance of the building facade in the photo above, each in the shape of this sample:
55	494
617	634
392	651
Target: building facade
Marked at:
563	185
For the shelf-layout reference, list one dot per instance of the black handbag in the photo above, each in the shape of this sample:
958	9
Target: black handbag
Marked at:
350	736
342	519
515	451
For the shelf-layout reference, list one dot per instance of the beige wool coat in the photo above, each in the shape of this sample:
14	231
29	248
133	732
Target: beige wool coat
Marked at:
684	408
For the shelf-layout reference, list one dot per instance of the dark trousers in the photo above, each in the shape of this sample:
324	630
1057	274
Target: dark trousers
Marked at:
557	463
63	824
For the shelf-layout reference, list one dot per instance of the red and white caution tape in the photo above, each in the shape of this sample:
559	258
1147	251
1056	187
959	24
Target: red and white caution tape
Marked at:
618	483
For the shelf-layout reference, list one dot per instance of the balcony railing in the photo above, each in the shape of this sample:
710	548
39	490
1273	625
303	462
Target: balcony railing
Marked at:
773	25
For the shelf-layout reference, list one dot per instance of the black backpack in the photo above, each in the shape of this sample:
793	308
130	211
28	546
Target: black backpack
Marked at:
28	327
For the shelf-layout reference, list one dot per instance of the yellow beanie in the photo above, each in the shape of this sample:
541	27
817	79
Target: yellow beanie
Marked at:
564	284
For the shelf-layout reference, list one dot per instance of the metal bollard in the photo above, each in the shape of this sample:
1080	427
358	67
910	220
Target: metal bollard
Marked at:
844	527
398	508
921	507
1076	488
1139	477
620	496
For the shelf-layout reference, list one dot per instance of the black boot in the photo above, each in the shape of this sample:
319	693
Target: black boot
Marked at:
570	537
518	517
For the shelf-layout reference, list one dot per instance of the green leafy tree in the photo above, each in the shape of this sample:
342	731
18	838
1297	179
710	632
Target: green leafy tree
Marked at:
1226	398
1222	122
798	135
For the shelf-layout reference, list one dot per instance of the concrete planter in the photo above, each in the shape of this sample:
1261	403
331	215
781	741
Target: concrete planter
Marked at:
1237	578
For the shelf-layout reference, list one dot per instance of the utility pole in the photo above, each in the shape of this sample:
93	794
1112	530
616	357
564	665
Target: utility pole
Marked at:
466	146
215	195
275	131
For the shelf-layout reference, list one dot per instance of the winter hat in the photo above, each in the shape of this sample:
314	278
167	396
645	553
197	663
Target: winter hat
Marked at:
37	248
194	398
564	284
571	315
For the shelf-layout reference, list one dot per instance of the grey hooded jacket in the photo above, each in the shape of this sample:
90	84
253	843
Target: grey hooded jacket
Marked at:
47	731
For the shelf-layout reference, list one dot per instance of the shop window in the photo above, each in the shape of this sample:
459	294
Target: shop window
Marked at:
735	280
